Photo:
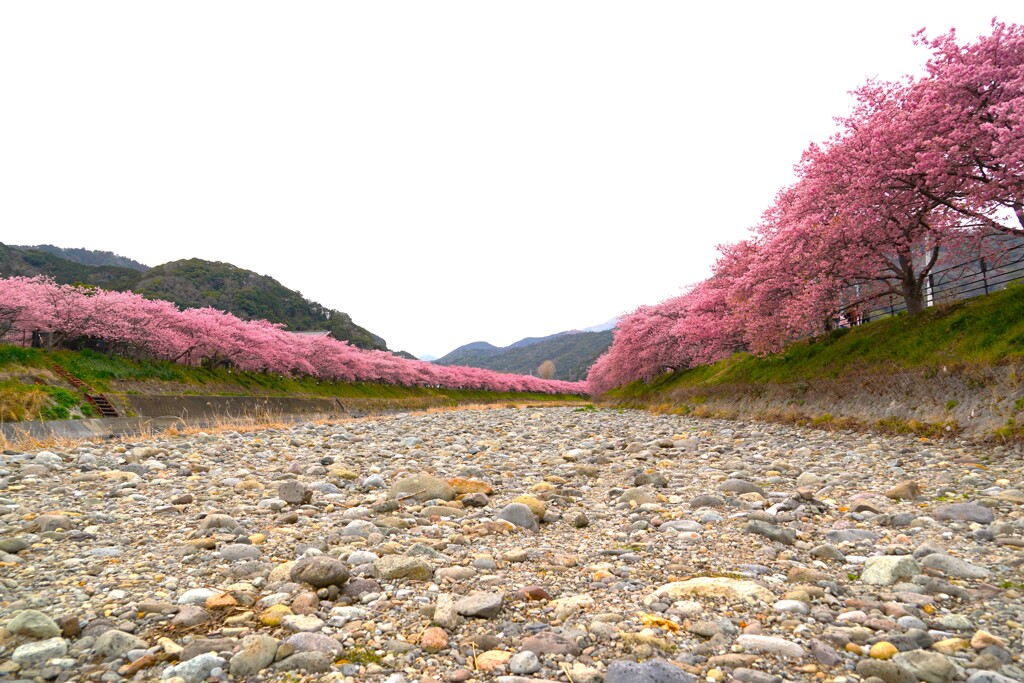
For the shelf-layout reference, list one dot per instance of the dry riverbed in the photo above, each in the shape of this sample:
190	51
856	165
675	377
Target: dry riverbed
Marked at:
514	545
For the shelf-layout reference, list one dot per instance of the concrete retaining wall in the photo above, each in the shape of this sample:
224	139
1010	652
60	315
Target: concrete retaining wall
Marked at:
972	402
89	429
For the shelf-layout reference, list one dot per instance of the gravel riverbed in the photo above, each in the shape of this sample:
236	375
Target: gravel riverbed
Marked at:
514	545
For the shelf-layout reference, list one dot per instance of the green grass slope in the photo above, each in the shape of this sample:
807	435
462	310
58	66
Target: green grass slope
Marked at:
969	353
30	390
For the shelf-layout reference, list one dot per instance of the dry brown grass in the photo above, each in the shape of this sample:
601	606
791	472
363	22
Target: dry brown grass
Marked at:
23	373
786	415
20	405
26	442
717	412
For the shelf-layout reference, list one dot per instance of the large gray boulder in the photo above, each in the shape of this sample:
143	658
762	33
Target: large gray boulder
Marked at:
422	487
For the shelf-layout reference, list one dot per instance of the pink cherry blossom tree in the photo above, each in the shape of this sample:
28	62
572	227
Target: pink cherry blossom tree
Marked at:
136	326
921	171
968	113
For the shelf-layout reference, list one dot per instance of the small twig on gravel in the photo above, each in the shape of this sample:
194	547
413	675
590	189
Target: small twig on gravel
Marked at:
565	669
402	496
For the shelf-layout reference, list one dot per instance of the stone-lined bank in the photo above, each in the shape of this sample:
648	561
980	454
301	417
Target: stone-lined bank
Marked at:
514	545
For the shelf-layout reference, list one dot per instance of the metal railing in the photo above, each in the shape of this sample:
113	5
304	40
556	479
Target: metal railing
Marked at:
20	337
952	283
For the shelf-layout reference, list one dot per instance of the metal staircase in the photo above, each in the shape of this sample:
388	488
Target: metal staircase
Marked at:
98	400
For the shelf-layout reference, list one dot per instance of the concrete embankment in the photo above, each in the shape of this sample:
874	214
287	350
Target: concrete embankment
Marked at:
979	403
87	429
156	413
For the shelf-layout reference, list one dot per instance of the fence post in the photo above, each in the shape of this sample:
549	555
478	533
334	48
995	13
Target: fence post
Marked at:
984	274
930	298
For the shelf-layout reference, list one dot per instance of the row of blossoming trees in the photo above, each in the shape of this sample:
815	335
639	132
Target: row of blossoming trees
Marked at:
922	169
151	328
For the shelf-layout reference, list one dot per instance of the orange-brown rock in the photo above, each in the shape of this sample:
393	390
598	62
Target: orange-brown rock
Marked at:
463	486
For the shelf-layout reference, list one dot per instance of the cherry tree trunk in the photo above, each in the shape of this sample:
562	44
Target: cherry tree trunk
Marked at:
913	296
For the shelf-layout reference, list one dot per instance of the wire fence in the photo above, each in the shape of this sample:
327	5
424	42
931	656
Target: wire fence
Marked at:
19	337
45	339
953	283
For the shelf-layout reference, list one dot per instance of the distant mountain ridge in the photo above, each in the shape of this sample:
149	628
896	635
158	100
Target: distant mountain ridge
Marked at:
193	283
530	341
481	346
88	257
610	325
32	262
572	352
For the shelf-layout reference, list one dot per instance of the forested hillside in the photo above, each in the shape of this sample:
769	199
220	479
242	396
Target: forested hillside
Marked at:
195	283
89	257
31	262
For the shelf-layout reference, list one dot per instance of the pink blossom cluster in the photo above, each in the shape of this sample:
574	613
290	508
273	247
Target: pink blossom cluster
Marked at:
922	171
146	327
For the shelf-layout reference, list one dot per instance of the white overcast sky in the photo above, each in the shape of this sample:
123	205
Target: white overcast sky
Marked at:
444	172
